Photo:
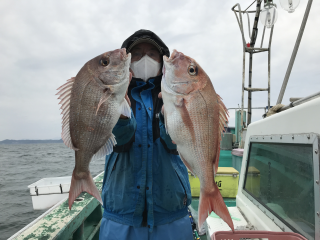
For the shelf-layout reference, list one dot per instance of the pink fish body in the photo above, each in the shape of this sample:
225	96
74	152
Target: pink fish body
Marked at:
194	118
91	105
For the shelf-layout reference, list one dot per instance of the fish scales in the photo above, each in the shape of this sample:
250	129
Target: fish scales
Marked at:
194	116
92	132
87	121
91	106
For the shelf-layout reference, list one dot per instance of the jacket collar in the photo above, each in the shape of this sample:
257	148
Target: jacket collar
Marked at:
156	81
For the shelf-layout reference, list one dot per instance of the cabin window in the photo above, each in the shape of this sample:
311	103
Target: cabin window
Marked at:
280	176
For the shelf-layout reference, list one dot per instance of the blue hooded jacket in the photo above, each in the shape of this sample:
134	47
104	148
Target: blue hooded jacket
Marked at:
145	181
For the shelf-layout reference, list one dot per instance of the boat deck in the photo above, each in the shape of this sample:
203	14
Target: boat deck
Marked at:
81	222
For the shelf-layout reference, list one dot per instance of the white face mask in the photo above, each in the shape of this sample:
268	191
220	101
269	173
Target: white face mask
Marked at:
145	68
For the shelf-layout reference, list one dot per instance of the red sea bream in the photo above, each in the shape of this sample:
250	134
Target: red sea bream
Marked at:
194	118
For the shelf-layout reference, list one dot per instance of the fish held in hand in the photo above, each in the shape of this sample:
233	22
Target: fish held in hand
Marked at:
194	118
91	105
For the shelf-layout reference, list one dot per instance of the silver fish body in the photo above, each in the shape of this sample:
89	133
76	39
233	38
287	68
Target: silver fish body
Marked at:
91	106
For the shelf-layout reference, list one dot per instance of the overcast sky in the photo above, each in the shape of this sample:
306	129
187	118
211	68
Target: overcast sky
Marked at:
44	43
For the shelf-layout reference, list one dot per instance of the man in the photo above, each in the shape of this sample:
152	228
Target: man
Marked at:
146	189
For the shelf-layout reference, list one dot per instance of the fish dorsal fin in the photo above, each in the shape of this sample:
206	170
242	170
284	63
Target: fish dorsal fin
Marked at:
223	118
106	149
125	109
64	93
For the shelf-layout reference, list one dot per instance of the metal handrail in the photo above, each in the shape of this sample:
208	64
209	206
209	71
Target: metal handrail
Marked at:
244	11
250	5
300	101
251	50
264	29
249	25
247	108
294	52
239	20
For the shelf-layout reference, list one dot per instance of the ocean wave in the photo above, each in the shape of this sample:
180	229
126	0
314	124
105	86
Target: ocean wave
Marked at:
25	155
22	166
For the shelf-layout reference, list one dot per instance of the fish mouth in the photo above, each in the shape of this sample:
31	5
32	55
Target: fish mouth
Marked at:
123	54
177	83
174	59
175	55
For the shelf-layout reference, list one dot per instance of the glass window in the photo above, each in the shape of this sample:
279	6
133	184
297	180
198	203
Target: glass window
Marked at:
280	176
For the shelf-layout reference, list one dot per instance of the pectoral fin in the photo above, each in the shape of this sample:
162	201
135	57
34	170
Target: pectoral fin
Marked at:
166	126
125	109
182	108
105	96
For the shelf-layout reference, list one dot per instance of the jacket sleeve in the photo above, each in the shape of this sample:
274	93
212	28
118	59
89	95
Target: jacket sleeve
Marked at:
165	137
124	130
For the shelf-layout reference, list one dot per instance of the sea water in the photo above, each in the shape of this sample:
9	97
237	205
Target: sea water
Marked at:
22	165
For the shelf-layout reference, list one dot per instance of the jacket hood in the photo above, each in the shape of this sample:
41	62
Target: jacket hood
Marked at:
145	36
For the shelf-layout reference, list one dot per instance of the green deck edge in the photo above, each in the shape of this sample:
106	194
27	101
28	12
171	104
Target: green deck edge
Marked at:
62	223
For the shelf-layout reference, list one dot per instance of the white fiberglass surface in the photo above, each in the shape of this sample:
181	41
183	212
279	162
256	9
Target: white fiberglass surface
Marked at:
304	118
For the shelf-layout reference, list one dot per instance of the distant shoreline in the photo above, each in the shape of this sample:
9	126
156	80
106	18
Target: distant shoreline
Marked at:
8	141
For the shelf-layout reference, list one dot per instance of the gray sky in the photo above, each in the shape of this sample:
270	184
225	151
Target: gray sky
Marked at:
44	43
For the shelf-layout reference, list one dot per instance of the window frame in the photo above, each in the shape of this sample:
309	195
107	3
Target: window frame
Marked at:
303	138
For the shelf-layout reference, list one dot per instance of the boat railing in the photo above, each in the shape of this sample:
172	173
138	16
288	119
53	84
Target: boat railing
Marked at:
300	101
251	49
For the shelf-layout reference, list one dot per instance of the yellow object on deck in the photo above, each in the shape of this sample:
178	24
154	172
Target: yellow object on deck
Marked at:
253	181
227	179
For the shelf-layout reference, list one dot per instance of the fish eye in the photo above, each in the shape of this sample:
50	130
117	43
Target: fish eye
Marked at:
192	70
104	62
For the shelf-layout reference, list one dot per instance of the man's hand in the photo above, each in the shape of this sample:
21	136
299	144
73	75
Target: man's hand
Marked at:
126	97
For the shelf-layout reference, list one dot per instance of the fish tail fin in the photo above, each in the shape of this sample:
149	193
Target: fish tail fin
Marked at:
212	201
85	184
